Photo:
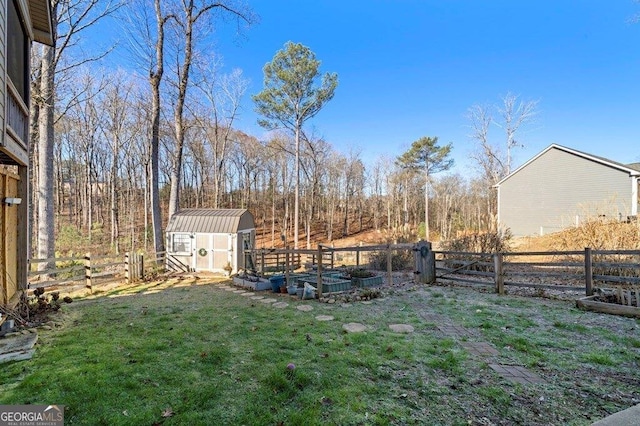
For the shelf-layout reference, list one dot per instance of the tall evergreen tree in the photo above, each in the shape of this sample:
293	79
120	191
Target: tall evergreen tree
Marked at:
291	96
425	154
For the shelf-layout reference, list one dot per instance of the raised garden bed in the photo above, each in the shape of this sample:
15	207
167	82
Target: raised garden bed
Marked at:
367	282
330	284
298	279
259	285
593	303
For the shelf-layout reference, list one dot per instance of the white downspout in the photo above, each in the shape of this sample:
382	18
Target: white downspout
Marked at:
634	195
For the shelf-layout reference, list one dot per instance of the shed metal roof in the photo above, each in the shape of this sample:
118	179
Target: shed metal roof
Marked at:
213	221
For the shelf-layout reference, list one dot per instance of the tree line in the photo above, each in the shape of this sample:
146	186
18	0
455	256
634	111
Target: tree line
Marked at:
116	152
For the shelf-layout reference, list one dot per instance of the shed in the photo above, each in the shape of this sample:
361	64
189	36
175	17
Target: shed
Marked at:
562	187
210	240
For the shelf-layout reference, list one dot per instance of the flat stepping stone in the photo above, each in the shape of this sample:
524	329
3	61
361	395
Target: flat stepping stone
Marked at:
280	305
480	348
245	293
304	308
401	328
228	289
267	300
324	318
516	374
257	297
239	291
366	302
354	327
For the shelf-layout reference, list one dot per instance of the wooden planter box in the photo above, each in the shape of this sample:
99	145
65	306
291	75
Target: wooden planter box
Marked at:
330	285
334	285
367	282
589	304
253	285
299	279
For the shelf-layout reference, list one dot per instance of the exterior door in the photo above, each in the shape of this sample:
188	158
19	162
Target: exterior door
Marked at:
221	247
203	253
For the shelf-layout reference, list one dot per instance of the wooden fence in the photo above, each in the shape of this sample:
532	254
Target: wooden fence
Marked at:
557	270
89	271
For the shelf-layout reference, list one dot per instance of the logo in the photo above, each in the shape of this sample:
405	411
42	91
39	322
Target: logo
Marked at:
31	415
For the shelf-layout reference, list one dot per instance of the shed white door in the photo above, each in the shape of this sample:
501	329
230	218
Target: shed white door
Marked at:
221	251
203	253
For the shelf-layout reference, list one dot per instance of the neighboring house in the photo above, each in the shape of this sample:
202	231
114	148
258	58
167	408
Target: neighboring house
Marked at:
21	23
211	240
562	187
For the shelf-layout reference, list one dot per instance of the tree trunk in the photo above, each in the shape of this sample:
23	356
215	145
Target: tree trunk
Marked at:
45	228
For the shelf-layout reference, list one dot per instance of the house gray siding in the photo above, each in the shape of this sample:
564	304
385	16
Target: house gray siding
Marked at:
558	188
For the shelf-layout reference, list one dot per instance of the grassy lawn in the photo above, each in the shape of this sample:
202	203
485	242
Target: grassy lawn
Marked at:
192	353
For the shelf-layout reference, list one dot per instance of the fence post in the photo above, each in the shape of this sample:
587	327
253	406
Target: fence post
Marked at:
389	266
333	253
358	257
262	262
141	268
425	263
127	269
588	271
286	266
499	277
319	271
87	271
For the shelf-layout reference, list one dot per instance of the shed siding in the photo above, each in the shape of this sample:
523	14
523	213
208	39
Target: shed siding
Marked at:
556	187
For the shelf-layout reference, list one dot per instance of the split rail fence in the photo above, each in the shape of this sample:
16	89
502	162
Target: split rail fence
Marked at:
581	271
553	270
89	271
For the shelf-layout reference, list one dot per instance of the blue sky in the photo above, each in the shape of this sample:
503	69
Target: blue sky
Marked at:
412	68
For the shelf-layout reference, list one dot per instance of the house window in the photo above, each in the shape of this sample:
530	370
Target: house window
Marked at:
181	243
17	52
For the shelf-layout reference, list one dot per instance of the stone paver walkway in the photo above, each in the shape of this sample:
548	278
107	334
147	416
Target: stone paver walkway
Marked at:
480	348
454	330
516	374
513	373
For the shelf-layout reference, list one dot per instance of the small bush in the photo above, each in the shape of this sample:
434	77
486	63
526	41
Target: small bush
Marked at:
401	260
488	242
360	273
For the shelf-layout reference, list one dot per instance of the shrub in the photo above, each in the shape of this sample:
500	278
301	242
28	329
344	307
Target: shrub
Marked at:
359	273
488	242
400	260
